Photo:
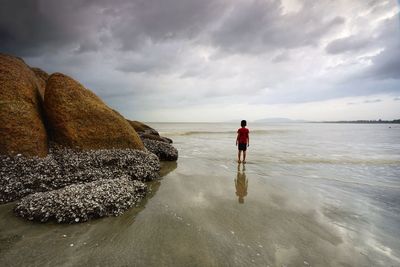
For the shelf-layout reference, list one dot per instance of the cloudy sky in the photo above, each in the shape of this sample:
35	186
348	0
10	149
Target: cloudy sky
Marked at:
218	60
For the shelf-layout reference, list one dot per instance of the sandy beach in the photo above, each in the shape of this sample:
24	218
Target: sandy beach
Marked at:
303	206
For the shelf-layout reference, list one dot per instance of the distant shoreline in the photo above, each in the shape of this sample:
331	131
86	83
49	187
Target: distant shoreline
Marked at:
365	122
279	122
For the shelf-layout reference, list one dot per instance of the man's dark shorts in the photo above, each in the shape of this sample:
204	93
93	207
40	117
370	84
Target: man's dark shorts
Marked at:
243	147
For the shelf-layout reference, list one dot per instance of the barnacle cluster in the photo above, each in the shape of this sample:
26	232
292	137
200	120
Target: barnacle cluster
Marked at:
163	150
81	202
74	186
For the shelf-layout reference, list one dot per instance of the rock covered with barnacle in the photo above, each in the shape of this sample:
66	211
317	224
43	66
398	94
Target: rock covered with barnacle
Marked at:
81	202
163	150
96	162
22	176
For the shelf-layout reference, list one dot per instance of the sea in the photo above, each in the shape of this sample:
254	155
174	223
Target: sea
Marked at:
310	194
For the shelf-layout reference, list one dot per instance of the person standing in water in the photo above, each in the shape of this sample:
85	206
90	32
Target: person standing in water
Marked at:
242	140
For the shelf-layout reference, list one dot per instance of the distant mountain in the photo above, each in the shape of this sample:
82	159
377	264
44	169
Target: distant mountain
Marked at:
278	120
365	121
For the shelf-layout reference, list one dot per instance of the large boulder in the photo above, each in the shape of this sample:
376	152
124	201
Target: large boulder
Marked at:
22	129
41	77
77	118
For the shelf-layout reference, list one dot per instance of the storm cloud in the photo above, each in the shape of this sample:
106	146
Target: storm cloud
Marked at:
175	57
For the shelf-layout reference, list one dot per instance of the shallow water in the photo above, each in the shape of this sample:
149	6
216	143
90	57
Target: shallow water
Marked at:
310	195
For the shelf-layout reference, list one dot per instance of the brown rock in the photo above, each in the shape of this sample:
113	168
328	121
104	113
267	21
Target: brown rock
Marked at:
77	118
155	137
22	129
140	127
41	77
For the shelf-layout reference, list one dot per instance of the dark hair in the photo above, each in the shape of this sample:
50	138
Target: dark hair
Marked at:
243	123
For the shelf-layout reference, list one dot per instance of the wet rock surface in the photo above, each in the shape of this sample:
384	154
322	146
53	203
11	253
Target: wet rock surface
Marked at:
163	150
81	202
22	176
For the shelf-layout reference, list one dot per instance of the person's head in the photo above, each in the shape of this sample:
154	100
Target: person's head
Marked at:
243	123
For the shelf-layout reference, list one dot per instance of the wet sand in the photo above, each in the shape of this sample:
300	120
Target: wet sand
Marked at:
190	220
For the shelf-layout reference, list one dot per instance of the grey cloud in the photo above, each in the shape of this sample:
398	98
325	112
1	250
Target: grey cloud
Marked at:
140	65
367	37
348	44
396	99
259	26
281	57
155	58
373	101
36	27
163	20
40	26
386	65
87	46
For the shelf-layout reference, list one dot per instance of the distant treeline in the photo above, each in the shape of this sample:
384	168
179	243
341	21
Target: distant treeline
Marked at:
365	121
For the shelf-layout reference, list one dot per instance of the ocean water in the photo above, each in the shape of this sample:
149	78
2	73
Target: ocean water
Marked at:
310	194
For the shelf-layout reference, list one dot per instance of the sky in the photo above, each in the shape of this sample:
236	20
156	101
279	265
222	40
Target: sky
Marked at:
218	60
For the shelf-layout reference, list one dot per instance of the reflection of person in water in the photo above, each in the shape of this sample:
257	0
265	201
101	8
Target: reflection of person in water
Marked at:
241	184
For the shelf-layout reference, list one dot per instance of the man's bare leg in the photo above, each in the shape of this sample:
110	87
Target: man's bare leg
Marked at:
244	156
239	156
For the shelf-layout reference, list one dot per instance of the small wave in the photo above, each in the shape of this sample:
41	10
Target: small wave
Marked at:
343	161
327	161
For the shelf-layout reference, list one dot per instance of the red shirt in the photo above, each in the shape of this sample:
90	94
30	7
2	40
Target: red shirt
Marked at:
243	135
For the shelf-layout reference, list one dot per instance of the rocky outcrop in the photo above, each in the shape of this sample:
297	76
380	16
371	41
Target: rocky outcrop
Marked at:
97	163
146	132
77	118
154	142
81	202
142	128
21	126
155	137
164	151
62	167
41	77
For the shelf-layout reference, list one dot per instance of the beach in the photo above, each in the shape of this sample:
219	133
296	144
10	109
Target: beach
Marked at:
310	194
